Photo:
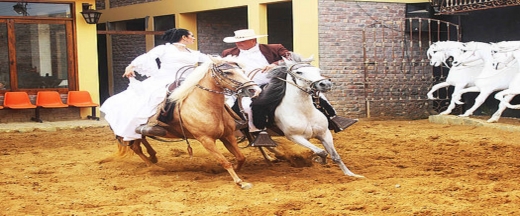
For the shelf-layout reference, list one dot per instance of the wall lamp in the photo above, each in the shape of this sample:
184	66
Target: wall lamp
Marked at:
91	16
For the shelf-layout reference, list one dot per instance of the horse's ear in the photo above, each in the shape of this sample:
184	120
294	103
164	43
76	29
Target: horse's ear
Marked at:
287	61
309	60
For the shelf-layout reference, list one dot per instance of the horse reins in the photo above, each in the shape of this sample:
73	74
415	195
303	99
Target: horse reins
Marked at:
295	77
220	77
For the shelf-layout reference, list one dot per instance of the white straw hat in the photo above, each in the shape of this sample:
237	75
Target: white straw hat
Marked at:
243	35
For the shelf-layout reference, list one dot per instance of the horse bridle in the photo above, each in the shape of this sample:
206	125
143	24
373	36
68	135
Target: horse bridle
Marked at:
312	84
220	77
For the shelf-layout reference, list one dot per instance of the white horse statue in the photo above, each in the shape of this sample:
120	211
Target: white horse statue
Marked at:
506	54
288	105
460	76
439	52
490	80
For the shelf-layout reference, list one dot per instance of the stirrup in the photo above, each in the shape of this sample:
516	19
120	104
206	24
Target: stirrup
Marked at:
263	140
148	130
338	123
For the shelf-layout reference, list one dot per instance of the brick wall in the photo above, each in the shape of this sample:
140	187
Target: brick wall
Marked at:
125	48
341	39
100	5
214	26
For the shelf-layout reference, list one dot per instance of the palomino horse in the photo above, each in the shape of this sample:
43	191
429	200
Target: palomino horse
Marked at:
460	76
200	113
287	101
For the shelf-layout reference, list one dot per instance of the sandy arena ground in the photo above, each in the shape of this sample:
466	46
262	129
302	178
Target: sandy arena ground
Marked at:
411	168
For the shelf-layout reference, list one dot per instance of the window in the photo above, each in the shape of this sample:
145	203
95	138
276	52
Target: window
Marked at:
163	23
36	47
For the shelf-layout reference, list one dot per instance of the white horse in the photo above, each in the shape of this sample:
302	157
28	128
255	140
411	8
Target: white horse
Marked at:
460	76
506	54
288	103
490	80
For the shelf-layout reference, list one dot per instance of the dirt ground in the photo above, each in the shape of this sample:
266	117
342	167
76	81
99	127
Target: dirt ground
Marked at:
411	168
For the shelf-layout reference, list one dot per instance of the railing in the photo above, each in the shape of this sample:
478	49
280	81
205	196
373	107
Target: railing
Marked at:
459	6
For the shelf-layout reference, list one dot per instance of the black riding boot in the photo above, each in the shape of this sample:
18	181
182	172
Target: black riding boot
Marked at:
336	123
151	130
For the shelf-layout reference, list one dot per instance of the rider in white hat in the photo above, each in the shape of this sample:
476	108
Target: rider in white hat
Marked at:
265	57
243	35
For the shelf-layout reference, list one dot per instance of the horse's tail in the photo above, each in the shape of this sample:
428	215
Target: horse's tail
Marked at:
124	150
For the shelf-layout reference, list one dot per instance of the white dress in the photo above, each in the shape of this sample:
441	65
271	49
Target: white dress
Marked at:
127	110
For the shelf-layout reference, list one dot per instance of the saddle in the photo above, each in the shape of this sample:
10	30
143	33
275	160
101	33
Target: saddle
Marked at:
264	106
166	115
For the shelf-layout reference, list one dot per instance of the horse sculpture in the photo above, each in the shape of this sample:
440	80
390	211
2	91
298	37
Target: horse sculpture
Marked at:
506	54
460	76
200	113
490	79
287	101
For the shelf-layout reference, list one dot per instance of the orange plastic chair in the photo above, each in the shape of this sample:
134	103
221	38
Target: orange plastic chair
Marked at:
82	99
18	100
48	99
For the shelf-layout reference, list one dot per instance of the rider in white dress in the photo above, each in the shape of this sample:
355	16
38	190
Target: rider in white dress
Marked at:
133	107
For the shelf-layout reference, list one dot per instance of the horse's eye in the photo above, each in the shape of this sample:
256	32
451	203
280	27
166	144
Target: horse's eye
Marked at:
299	72
434	51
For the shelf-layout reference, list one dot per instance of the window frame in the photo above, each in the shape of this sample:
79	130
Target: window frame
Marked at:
70	37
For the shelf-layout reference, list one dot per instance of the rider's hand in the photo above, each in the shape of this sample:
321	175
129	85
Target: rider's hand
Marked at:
129	71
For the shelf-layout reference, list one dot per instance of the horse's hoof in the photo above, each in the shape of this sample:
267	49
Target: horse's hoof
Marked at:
319	159
245	186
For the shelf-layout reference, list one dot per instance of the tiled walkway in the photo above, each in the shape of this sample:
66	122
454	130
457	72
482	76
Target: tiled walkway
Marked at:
507	124
50	126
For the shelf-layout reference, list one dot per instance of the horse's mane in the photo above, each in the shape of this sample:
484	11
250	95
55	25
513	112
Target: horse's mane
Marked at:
507	46
475	45
182	91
